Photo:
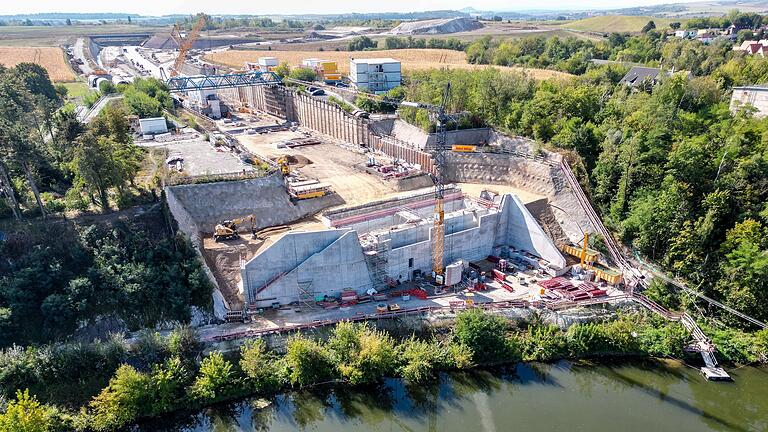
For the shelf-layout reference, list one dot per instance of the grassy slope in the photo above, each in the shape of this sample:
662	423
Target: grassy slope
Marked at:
617	23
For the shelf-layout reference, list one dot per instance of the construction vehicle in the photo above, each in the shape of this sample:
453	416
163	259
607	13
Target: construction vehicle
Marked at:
285	168
227	230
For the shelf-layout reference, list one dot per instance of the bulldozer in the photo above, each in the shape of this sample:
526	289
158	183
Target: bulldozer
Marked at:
227	230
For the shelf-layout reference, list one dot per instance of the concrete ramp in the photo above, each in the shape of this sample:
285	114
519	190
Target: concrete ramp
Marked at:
525	233
306	263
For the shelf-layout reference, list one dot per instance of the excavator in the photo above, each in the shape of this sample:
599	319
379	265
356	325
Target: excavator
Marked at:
227	230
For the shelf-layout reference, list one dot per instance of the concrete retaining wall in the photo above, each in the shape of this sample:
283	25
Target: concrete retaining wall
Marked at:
527	174
266	198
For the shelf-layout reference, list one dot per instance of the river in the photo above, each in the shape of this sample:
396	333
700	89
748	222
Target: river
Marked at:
650	396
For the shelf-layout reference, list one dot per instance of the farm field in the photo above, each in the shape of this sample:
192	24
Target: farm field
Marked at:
617	23
412	59
62	35
51	58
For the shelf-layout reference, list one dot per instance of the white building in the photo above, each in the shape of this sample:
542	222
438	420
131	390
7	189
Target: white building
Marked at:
264	64
685	34
751	96
376	75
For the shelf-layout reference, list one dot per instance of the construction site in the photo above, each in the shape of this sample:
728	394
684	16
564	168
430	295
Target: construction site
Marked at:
307	212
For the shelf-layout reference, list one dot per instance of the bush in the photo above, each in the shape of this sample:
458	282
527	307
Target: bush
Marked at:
484	334
420	360
26	414
215	381
125	399
544	343
308	362
260	367
365	355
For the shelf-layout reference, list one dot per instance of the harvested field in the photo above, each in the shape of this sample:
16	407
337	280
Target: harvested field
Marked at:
617	23
412	59
51	58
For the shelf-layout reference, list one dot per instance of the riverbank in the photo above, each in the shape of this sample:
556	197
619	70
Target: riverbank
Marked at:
162	374
573	396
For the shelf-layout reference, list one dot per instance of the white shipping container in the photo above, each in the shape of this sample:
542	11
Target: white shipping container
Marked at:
453	274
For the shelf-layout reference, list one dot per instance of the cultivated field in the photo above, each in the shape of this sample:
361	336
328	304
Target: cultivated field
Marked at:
617	23
51	58
412	59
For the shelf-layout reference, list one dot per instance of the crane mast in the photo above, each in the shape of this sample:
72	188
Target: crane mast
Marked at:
438	114
186	44
438	240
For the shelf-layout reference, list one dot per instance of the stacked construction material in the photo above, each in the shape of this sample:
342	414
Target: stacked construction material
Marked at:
348	298
501	278
414	292
565	289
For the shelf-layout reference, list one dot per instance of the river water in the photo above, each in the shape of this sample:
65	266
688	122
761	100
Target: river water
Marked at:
651	396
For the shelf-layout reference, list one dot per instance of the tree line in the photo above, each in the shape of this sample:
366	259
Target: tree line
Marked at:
158	375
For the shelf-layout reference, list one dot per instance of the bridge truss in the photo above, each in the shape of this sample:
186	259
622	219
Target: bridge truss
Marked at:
180	84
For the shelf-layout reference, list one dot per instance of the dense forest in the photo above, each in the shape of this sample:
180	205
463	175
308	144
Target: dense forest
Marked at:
676	174
58	275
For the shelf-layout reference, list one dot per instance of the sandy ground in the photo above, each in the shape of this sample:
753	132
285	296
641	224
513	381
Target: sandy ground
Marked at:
474	189
330	163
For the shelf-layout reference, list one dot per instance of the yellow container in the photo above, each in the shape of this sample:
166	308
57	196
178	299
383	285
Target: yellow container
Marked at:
463	148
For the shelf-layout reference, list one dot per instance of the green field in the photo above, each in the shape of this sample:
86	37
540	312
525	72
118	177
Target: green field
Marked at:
76	89
617	23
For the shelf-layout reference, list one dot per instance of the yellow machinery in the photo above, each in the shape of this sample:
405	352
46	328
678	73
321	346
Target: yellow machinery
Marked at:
285	168
330	71
227	230
186	44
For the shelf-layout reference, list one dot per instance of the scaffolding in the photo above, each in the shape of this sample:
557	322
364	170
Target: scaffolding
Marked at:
376	252
306	293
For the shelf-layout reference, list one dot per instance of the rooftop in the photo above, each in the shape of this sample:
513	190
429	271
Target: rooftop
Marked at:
374	60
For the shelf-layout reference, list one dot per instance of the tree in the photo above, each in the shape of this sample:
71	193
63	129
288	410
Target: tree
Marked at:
484	334
303	74
308	362
674	25
361	43
650	25
260	367
363	354
94	167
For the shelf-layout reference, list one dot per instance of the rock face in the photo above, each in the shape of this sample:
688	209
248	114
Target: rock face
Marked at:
438	26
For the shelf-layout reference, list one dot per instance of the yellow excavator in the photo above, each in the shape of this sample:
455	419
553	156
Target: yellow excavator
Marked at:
227	230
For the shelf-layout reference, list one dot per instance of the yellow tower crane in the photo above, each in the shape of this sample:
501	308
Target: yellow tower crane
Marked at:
440	178
186	44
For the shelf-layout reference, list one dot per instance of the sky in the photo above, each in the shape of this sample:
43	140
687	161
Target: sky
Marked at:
255	7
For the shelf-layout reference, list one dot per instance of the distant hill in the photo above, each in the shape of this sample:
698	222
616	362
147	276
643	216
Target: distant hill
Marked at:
616	23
